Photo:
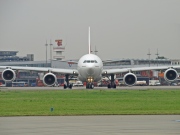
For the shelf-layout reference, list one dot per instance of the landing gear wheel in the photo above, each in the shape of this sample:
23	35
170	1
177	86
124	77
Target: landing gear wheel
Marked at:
87	86
109	86
90	86
65	86
114	86
70	86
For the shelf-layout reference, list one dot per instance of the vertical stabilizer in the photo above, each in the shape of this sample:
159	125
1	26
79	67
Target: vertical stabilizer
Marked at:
89	41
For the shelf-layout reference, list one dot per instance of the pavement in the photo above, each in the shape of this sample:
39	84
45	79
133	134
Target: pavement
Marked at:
91	125
96	88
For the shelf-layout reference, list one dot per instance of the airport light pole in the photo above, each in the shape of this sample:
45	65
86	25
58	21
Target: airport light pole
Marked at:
157	56
46	52
50	51
149	54
95	51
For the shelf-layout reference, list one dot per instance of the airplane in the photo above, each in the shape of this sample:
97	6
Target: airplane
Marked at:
89	70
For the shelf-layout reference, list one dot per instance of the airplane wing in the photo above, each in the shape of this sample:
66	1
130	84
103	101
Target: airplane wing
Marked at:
108	61
57	70
122	70
49	78
130	78
70	61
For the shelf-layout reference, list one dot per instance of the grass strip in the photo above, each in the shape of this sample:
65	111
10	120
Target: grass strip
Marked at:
88	102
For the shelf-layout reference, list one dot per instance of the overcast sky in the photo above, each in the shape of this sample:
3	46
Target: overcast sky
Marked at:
119	28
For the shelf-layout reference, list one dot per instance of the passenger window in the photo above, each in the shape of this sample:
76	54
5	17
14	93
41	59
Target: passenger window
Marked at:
88	61
92	61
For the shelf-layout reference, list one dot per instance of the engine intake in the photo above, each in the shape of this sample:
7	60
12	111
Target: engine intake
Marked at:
170	75
8	75
49	79
129	79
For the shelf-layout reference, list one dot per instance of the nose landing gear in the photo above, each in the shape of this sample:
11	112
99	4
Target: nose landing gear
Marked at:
90	84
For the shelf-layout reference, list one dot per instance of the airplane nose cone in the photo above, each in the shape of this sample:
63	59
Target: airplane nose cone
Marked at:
90	71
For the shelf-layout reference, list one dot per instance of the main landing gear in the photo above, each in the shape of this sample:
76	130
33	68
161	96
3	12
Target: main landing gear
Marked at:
67	85
112	84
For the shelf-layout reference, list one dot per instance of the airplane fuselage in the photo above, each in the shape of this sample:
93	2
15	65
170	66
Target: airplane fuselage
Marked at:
90	68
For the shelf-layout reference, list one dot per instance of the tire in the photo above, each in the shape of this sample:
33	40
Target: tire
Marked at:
109	86
91	86
70	86
87	86
65	86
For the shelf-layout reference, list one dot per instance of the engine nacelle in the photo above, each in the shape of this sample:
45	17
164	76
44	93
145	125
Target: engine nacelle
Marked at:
170	75
49	79
130	79
8	75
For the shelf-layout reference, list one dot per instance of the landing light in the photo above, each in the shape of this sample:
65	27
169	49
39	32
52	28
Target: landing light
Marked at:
90	79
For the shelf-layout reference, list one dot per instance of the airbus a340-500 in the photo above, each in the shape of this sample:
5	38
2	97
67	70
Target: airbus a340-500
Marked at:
89	70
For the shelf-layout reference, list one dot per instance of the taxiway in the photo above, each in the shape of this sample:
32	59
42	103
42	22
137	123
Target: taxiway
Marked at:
89	125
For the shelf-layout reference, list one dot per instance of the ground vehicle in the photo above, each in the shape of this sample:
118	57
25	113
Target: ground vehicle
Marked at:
19	84
141	83
173	84
78	83
154	83
33	84
157	83
2	85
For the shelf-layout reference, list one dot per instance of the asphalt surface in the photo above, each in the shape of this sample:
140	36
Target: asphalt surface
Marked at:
118	88
91	125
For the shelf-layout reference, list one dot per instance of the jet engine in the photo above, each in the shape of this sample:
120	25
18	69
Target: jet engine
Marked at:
8	75
170	75
129	79
49	79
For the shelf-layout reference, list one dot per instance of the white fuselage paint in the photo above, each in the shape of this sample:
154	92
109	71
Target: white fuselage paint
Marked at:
90	66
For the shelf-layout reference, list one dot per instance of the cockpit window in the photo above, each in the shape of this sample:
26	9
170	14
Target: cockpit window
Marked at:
90	61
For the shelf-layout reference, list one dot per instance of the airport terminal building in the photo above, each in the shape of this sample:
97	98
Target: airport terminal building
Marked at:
10	58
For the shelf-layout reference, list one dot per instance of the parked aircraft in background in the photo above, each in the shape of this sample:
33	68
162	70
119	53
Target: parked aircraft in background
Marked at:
89	70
